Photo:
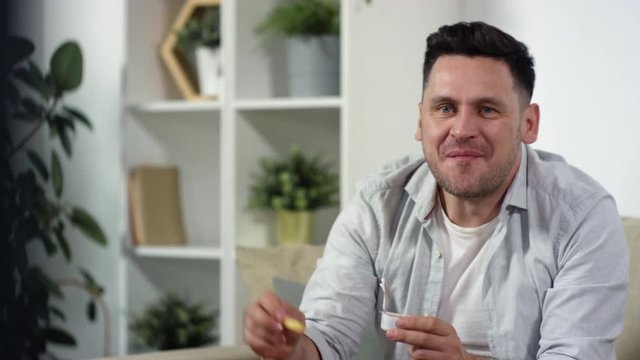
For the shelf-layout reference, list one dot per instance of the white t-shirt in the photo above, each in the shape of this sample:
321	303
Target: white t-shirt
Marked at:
464	256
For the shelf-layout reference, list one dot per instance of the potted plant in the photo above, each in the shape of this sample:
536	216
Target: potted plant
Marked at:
33	209
311	29
173	322
294	188
201	37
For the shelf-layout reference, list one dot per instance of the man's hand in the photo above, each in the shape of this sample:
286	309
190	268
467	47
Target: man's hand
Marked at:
264	331
430	338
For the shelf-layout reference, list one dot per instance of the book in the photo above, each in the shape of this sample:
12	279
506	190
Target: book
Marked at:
155	207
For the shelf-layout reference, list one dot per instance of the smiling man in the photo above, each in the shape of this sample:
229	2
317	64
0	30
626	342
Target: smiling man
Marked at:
484	246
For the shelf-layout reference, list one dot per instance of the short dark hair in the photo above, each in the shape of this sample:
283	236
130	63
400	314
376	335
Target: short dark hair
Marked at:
481	39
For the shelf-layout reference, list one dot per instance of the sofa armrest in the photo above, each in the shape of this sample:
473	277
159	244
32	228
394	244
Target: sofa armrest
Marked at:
240	352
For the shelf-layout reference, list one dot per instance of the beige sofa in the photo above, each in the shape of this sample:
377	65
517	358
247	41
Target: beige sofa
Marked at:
296	264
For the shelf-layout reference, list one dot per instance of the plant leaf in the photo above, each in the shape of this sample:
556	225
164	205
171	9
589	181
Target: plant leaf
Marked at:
66	66
64	244
32	77
44	280
20	49
13	94
48	243
38	80
87	224
63	134
58	336
57	312
88	278
25	117
56	174
37	162
91	310
32	108
78	115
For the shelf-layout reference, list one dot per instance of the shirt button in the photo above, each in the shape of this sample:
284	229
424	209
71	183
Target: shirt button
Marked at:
439	254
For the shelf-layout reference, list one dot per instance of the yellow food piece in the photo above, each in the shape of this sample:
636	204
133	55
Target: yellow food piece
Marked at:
293	325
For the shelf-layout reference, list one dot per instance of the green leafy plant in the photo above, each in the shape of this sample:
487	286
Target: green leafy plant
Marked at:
296	183
203	30
174	323
303	18
32	205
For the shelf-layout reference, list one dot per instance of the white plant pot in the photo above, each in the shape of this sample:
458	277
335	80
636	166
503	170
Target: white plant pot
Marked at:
208	64
313	65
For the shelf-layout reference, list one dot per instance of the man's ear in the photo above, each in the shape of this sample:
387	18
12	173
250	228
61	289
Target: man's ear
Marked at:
418	135
529	127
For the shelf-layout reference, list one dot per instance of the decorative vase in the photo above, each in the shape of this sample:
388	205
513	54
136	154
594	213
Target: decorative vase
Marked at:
294	227
313	65
209	70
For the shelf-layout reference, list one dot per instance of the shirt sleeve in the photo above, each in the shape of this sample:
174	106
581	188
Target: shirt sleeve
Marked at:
340	297
583	312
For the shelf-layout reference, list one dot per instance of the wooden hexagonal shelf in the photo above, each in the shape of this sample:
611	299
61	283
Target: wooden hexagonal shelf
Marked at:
175	61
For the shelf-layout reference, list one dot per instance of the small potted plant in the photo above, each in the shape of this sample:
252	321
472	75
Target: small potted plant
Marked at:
201	37
294	188
311	29
173	323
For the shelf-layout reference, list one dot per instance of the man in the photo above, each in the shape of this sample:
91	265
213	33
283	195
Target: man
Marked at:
488	249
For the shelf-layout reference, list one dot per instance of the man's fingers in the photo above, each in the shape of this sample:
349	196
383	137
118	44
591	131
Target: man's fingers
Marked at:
418	339
273	305
418	354
263	325
428	324
264	348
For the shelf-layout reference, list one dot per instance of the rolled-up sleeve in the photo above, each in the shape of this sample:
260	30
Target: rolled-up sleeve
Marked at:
339	299
583	312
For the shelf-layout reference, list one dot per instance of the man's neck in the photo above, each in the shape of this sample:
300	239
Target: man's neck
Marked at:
470	212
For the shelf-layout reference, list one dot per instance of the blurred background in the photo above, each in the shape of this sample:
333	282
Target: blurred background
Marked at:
148	110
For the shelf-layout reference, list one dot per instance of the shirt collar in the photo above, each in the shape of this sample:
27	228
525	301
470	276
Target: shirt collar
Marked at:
422	188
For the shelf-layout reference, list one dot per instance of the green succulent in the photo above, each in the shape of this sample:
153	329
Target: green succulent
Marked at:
296	183
201	30
303	18
174	323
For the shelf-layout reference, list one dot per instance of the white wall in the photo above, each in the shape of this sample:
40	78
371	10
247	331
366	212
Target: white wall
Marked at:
93	178
385	45
588	83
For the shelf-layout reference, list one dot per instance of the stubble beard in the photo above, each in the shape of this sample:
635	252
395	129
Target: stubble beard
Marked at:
485	184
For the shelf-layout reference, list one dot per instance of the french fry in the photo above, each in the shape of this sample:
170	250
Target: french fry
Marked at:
293	325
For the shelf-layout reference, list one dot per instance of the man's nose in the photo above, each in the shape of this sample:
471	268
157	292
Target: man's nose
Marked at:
465	125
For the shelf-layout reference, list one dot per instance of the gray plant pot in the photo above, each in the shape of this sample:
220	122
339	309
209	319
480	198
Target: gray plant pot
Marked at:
313	65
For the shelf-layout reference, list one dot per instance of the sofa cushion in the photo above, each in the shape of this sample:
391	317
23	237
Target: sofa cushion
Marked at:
259	266
628	344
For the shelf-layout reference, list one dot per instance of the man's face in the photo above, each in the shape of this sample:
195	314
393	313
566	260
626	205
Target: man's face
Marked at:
472	120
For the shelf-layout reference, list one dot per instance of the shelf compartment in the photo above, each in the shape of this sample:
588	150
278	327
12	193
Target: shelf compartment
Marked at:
179	252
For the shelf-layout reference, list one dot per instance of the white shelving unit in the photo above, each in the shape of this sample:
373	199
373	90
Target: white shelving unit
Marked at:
216	146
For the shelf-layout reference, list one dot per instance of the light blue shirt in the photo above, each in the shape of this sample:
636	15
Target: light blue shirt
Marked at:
556	274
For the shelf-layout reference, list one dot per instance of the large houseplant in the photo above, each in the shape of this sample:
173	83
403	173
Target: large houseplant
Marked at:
294	188
200	38
311	29
33	211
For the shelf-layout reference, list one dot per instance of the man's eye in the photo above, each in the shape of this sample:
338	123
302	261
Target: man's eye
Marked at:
447	109
488	111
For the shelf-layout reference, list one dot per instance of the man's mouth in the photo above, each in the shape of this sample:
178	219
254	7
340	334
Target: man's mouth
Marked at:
464	154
